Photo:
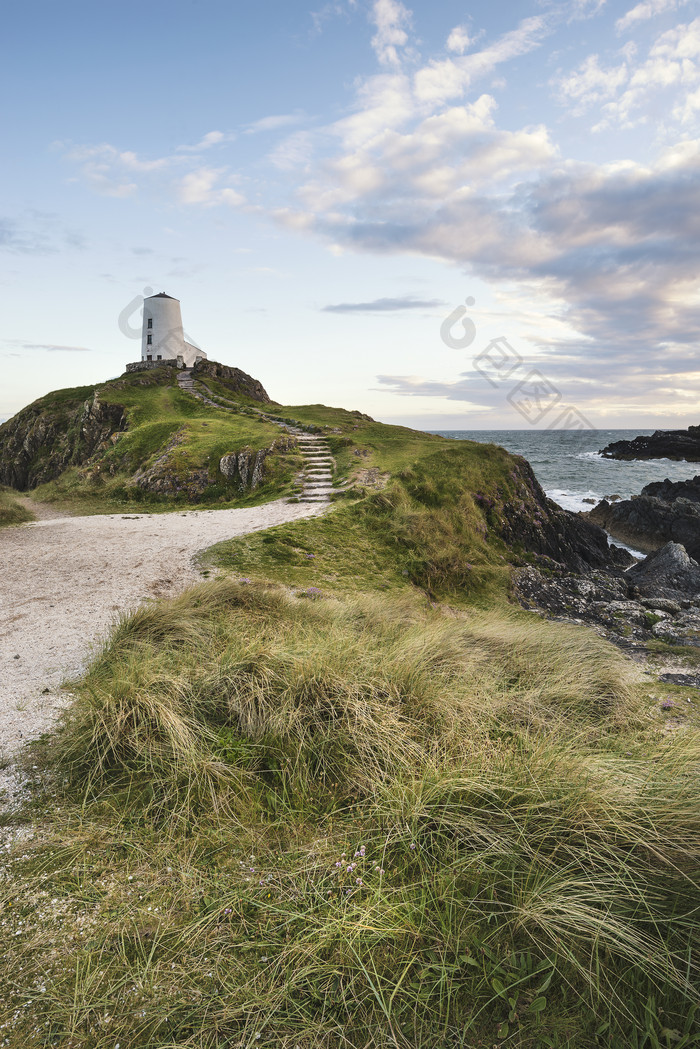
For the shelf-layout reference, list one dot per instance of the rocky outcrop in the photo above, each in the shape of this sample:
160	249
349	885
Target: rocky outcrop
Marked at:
670	491
668	573
665	512
44	439
536	524
236	380
658	599
664	444
245	468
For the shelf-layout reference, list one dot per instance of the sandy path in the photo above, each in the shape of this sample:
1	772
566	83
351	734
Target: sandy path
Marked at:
64	580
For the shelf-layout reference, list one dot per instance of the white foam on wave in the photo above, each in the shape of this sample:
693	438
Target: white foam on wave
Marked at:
574	501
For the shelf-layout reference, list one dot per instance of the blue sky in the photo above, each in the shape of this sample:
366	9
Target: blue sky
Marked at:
323	185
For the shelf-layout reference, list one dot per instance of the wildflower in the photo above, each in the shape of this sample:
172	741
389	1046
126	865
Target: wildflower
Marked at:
358	881
413	844
667	704
362	850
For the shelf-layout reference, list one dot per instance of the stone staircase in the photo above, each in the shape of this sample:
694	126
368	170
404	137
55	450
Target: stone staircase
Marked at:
317	478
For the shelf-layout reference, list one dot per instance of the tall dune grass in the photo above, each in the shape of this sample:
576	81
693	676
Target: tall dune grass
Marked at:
362	823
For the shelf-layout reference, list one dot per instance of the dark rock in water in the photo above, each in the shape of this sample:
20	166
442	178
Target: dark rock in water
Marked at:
670	491
666	511
664	444
668	573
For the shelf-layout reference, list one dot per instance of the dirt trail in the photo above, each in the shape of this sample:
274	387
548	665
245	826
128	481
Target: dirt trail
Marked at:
64	580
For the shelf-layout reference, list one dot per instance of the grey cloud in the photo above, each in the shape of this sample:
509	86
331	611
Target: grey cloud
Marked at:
53	348
388	305
41	234
615	248
23	241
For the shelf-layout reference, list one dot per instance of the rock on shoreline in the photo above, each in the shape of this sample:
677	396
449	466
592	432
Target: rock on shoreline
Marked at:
666	511
663	444
658	599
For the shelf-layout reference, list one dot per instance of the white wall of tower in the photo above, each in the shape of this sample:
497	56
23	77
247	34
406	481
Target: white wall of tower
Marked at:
162	335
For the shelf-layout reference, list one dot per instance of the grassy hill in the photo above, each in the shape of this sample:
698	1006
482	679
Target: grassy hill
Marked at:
133	440
347	795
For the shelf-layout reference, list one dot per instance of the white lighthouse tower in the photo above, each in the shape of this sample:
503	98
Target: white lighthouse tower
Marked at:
162	337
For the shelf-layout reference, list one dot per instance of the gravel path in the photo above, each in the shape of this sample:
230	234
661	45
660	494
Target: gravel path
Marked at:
64	580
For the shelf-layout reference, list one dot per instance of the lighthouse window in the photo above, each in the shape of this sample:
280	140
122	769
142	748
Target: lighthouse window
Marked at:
149	339
150	322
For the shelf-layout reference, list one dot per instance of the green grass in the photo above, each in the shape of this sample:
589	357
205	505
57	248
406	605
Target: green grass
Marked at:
436	527
12	512
524	834
521	811
179	435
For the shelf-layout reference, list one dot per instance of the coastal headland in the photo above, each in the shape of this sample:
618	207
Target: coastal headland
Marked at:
352	760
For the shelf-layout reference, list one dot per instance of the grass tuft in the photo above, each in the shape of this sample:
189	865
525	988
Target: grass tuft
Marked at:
358	822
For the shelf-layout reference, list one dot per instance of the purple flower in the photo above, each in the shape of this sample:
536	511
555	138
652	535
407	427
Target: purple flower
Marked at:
413	844
358	881
667	704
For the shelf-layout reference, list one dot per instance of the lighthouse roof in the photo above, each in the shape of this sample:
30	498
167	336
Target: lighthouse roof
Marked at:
162	295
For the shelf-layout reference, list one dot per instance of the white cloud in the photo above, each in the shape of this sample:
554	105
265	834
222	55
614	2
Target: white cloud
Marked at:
275	122
333	9
391	20
459	39
212	138
202	187
590	83
450	78
663	87
647	9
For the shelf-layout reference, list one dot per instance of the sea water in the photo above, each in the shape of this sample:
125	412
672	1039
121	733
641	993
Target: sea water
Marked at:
570	468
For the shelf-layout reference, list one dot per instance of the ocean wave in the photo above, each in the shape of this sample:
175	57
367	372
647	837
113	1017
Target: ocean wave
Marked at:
574	501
